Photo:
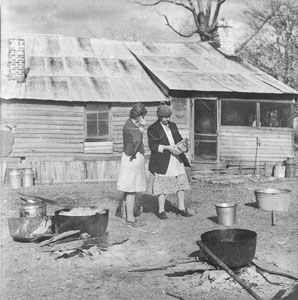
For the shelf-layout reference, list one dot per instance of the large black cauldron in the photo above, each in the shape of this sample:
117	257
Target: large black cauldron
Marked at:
235	247
95	224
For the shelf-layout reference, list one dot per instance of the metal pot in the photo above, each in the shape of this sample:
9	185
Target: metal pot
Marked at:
30	229
235	247
33	209
95	225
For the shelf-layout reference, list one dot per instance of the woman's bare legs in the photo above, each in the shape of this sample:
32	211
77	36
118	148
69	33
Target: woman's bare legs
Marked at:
161	202
181	206
180	198
130	201
123	205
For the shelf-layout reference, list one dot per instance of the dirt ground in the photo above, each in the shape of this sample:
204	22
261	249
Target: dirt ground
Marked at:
29	273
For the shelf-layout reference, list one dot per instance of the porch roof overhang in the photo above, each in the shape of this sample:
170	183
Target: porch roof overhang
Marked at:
198	67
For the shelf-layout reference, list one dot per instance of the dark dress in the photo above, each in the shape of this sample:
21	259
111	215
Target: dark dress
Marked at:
162	165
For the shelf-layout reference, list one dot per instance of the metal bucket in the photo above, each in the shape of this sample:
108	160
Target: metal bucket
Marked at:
273	199
279	171
28	178
15	179
291	170
226	213
291	167
37	209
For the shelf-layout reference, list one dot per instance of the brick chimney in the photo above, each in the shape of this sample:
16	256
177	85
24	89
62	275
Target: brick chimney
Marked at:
16	59
223	37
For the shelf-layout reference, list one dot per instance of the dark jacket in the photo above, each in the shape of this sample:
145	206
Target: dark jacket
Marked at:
159	162
132	139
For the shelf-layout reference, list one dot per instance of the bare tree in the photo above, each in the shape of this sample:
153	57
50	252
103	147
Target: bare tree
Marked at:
204	14
273	41
274	47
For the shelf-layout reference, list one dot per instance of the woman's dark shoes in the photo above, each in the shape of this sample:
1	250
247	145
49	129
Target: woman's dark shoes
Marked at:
183	213
162	216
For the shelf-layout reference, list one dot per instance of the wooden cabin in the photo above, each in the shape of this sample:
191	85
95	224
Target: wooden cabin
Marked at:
233	113
68	99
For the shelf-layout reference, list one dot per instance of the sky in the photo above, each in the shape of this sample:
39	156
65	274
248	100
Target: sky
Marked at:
112	19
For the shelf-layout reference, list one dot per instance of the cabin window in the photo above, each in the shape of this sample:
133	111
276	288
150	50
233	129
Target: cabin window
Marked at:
238	113
276	114
244	113
98	121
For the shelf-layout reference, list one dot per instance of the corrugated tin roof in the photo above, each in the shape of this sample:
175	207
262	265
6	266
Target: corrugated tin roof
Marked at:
200	67
77	69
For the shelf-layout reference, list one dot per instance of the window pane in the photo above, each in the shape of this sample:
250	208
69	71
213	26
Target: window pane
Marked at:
238	113
98	121
103	116
205	116
276	115
97	107
91	128
92	116
103	128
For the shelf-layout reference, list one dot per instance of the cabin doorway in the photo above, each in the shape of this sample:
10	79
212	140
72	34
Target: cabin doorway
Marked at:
205	130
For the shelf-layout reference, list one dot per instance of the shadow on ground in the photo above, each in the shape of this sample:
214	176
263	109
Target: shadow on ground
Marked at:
251	204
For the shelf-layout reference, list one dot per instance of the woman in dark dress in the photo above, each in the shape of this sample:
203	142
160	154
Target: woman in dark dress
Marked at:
167	163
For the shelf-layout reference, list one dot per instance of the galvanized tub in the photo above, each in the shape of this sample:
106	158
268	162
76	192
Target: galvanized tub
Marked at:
273	199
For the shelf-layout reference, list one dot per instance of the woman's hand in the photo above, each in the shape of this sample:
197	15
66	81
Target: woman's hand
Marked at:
132	157
172	149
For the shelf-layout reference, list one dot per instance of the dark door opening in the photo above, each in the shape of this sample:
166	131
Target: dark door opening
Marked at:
205	130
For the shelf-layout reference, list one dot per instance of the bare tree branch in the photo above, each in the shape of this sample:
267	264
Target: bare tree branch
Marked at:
217	9
254	34
208	11
191	5
201	18
275	49
163	1
200	5
194	14
176	31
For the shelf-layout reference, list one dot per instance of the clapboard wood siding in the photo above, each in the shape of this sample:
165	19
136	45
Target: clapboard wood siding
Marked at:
44	128
75	171
239	144
98	147
51	138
